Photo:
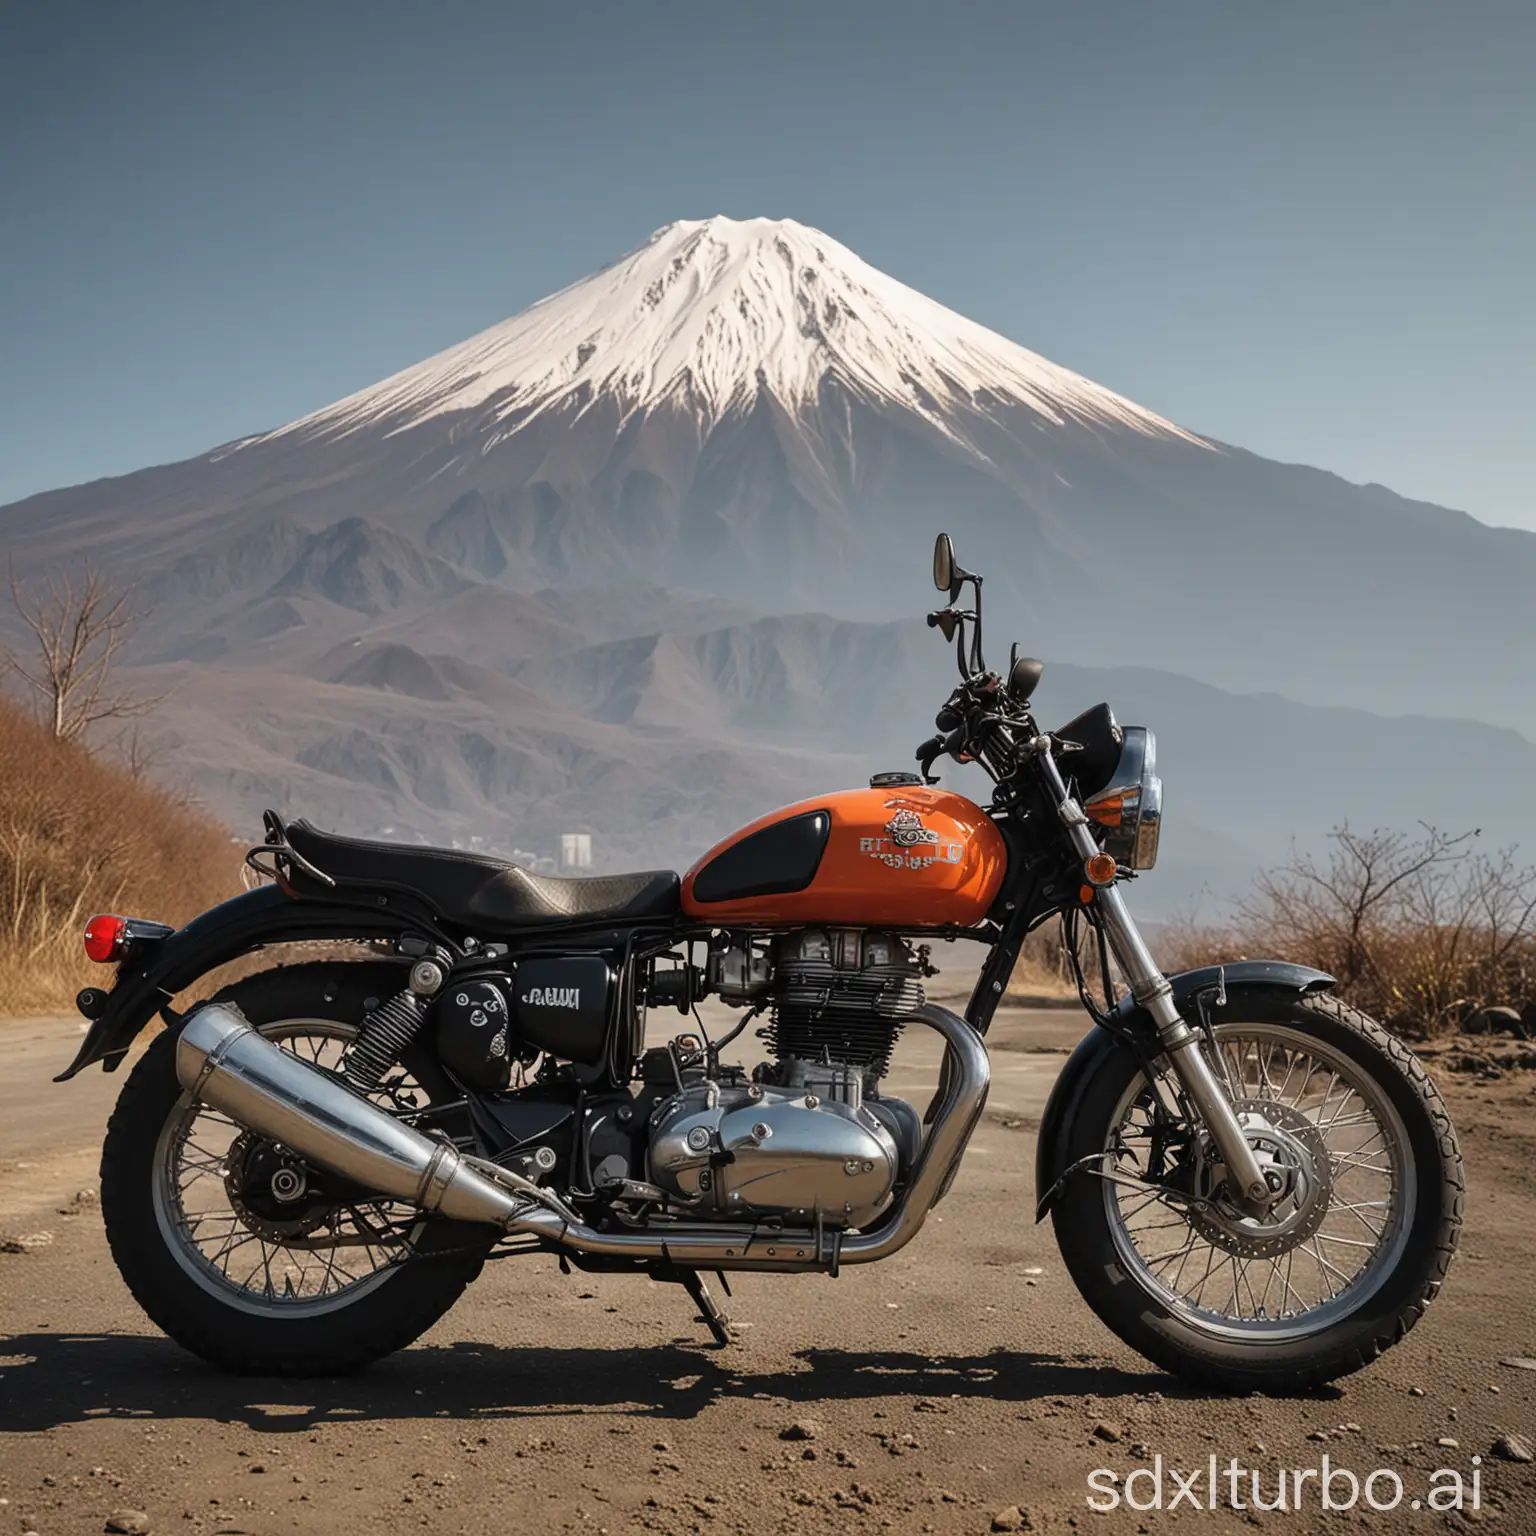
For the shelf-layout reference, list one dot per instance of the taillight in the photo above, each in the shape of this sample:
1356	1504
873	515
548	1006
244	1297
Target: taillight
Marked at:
106	938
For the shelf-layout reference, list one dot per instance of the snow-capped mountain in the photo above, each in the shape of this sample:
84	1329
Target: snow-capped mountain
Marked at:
749	411
708	318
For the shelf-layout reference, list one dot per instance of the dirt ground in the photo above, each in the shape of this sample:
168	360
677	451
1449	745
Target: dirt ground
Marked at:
960	1387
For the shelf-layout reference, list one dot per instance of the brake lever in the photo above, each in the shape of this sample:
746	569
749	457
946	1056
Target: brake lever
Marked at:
926	754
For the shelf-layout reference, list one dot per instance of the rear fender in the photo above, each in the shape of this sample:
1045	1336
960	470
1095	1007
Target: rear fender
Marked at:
1096	1047
156	970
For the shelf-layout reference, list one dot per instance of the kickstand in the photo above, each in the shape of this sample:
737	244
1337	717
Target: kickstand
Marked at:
710	1310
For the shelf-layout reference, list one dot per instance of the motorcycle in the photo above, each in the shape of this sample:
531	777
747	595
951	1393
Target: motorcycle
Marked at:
1250	1182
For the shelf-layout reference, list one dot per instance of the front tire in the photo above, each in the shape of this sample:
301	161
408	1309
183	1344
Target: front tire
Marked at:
1348	1266
264	1323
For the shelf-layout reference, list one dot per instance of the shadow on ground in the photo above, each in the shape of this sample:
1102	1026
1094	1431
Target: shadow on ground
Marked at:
49	1379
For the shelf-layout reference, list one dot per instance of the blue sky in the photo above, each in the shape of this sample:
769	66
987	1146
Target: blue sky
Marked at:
1308	229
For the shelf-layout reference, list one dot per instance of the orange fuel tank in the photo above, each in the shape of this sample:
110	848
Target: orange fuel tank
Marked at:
907	856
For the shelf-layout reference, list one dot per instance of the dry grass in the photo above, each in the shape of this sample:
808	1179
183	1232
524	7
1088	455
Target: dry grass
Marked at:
1043	975
79	836
1422	930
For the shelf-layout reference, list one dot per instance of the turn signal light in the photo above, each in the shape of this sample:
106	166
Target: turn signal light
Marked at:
1107	810
1101	868
106	938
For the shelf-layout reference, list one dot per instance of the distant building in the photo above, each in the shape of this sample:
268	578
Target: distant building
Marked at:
576	850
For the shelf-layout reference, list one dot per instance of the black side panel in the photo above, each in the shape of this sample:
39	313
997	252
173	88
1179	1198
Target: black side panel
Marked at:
560	1005
772	861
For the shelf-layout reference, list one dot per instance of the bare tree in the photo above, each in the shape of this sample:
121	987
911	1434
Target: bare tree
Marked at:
80	621
1343	908
138	755
1421	930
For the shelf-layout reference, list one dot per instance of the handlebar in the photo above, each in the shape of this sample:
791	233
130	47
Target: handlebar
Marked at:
974	728
975	723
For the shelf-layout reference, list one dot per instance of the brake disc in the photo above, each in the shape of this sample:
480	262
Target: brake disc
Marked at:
1294	1158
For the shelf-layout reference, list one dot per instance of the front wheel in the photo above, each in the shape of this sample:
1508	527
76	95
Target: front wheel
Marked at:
1346	1120
247	1256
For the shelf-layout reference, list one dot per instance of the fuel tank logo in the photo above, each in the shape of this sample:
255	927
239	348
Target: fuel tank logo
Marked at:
906	830
908	844
553	997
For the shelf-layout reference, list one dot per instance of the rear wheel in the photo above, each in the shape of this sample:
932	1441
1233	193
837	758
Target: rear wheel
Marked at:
1347	1124
244	1254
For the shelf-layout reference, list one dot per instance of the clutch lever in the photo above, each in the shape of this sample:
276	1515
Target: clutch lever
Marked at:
936	746
926	754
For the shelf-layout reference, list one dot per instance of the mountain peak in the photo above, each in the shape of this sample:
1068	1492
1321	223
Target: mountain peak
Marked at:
710	314
723	227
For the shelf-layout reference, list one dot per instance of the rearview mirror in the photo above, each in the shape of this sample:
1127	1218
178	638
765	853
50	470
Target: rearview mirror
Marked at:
946	574
945	566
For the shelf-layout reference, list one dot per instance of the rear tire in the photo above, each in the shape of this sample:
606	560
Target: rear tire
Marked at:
252	1335
1266	1352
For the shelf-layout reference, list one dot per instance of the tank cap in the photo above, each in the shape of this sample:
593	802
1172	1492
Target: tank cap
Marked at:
894	780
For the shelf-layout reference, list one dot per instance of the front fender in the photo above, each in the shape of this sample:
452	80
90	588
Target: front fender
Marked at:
1098	1045
153	974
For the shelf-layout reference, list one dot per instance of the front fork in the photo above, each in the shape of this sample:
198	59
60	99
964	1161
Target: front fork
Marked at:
1151	990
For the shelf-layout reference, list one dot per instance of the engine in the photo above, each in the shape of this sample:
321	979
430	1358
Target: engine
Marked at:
838	998
809	1137
738	1150
806	1137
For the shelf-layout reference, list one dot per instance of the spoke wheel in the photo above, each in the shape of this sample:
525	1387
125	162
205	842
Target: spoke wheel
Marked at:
1356	1145
321	1257
1322	1128
246	1254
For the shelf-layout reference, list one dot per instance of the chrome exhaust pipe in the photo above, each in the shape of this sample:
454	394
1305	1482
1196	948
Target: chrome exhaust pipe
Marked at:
967	1077
222	1061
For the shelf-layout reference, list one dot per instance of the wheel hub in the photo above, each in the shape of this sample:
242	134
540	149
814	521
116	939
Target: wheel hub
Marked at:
1294	1161
274	1192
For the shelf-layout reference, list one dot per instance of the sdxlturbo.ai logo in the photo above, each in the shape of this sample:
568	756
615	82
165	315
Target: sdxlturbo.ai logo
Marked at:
1279	1489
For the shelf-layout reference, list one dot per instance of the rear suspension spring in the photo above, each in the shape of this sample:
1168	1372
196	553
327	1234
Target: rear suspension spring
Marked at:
385	1033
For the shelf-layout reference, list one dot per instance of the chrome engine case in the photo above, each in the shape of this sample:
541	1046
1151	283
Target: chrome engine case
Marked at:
731	1150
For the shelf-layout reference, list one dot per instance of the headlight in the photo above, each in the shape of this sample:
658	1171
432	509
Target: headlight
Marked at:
1130	806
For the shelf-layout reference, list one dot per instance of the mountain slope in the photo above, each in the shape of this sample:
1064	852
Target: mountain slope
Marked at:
644	561
661	744
714	314
1260	769
750	410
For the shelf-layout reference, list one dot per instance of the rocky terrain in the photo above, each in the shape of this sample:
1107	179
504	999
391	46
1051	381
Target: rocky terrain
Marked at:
960	1388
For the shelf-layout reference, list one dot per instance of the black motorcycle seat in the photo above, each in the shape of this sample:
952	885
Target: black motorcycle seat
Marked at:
475	891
